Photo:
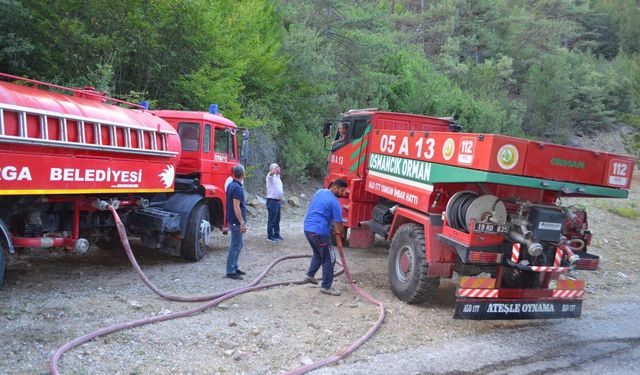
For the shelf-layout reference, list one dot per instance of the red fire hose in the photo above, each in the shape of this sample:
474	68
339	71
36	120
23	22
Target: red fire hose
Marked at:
356	344
213	300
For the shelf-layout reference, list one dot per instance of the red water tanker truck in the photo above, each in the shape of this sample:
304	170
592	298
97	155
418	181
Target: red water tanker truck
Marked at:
67	154
487	207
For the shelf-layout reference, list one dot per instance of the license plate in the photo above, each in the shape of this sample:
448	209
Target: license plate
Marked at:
516	309
490	228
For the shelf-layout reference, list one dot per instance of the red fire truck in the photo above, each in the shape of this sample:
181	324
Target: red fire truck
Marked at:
487	207
69	153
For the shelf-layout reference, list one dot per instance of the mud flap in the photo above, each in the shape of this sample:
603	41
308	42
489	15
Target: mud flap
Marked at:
506	309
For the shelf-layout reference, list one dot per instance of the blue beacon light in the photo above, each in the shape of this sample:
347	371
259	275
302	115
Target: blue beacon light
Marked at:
213	108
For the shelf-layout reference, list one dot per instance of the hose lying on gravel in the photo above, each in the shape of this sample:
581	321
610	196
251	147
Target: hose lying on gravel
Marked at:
356	344
213	300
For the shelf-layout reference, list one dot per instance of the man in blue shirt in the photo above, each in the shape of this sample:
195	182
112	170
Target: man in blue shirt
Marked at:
237	220
322	211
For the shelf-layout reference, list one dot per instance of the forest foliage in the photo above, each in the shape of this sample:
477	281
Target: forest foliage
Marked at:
544	69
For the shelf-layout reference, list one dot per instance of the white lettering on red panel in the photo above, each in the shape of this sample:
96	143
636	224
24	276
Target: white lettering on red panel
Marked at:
467	147
393	191
94	175
11	173
337	159
619	171
422	148
57	175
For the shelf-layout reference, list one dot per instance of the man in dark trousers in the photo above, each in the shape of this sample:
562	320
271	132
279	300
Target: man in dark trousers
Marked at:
237	221
322	211
274	197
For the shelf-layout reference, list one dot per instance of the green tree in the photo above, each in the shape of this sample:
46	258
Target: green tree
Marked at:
15	49
545	68
619	31
546	94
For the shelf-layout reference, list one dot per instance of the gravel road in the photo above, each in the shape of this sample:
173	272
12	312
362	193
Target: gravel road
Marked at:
50	298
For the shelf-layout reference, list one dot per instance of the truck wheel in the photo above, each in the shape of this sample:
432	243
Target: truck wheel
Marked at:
408	267
196	238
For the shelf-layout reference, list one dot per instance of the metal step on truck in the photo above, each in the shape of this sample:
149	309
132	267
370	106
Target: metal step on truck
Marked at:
487	207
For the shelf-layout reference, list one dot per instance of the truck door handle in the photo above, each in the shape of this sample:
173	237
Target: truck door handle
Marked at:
216	167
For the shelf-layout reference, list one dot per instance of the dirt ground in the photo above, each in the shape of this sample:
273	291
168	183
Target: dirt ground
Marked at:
50	298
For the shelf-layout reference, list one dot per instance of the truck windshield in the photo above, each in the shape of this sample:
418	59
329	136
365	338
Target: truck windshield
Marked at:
359	126
223	144
189	135
354	128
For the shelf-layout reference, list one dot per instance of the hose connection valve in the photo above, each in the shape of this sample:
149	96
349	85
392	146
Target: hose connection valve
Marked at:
102	205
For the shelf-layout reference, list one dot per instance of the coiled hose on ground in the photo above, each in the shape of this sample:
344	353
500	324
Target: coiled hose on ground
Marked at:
213	300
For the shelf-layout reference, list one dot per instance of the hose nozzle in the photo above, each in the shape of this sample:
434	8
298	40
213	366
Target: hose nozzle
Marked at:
533	248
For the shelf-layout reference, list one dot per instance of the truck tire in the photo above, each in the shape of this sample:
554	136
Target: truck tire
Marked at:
408	266
196	237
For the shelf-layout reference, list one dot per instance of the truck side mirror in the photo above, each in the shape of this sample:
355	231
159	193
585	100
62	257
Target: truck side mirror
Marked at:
326	129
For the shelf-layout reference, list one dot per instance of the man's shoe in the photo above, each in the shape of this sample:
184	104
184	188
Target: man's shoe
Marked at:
272	239
239	272
311	280
234	276
330	291
277	237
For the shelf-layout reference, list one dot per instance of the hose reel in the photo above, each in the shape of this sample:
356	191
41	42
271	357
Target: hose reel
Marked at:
467	206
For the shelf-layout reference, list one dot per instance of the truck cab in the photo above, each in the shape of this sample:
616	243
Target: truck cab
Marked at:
349	161
209	151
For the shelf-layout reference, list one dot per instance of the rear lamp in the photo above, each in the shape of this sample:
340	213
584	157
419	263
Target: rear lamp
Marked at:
588	264
485	257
